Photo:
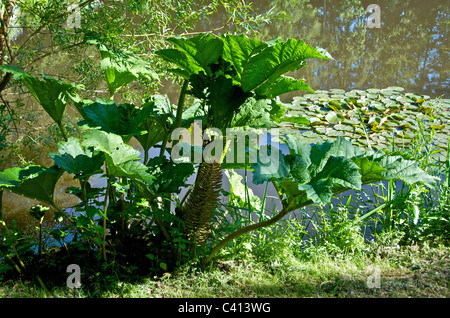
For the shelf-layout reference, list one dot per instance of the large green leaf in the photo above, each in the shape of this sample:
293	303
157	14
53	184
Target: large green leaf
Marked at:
254	113
157	121
221	95
76	160
322	172
315	173
240	195
256	65
193	54
408	171
35	182
265	68
246	54
283	85
121	68
122	160
265	170
238	49
122	119
169	177
52	94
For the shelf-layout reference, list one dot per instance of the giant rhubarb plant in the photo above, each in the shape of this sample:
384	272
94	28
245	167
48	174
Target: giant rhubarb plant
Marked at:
313	174
228	73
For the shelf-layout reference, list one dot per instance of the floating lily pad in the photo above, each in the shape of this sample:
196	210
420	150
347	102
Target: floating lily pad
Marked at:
332	118
396	88
351	94
343	127
337	96
332	133
337	91
320	130
389	115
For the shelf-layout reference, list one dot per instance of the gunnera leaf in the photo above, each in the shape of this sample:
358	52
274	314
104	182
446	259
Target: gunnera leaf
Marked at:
169	176
35	182
122	160
75	160
51	93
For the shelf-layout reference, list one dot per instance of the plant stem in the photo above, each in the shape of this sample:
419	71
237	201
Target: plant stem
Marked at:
105	211
364	128
145	156
178	117
122	205
53	204
180	105
13	246
63	132
390	197
373	211
264	199
286	209
40	238
1	202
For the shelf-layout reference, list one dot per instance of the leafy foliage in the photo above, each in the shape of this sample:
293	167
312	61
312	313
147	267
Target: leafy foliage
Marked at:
122	119
318	172
225	71
122	68
52	94
169	177
256	65
35	182
76	160
121	159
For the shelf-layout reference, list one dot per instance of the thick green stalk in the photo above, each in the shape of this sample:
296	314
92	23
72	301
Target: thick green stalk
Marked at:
178	117
373	211
390	197
364	128
63	132
180	106
253	227
61	211
447	168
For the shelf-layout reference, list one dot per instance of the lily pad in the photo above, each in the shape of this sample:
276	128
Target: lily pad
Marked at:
343	127
332	118
396	88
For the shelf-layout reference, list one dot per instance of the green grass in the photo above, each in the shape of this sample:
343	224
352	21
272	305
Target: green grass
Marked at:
409	271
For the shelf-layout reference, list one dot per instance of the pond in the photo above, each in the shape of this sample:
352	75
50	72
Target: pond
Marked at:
409	49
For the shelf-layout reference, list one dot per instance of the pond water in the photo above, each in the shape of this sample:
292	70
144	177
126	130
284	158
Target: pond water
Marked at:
410	49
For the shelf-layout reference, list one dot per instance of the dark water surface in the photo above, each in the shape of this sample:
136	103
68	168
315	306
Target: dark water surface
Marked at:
410	49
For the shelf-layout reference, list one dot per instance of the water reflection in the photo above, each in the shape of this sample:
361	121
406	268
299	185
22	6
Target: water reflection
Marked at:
410	49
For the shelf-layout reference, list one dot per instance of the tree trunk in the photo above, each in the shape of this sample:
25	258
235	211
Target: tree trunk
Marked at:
4	44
